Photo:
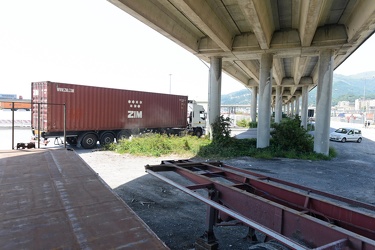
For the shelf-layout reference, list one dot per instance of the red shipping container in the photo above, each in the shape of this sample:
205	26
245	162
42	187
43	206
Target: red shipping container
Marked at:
99	109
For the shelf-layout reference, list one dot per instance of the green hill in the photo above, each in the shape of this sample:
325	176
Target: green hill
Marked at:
345	88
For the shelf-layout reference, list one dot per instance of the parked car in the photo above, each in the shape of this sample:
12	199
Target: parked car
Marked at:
346	134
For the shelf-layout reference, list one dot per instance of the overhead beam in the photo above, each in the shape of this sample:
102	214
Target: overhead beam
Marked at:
250	68
329	34
296	13
201	14
245	41
283	43
278	50
278	70
289	82
362	22
299	67
309	19
260	19
285	39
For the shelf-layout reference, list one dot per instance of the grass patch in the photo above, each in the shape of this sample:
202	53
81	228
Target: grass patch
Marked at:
190	146
159	145
289	140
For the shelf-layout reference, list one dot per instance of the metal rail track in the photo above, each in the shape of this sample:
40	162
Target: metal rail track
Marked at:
296	216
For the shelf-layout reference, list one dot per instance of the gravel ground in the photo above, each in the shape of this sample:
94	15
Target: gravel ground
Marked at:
179	219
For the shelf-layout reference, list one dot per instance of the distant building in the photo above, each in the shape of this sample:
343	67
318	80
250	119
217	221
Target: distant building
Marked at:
344	107
365	105
8	96
343	104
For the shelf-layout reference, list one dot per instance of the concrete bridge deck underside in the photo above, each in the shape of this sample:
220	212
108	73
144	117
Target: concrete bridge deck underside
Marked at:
279	49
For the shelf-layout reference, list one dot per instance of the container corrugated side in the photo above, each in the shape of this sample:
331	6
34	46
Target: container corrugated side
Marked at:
97	108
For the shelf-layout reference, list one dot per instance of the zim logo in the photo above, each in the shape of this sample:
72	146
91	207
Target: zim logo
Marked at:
133	114
68	90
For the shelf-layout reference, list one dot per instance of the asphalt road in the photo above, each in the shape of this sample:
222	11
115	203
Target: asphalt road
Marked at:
351	174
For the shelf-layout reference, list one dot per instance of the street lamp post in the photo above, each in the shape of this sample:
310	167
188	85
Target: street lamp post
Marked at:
364	96
364	105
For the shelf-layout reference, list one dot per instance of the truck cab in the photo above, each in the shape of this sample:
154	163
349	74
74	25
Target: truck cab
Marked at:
196	118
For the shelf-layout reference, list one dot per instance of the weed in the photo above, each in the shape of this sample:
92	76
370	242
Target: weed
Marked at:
221	131
289	140
289	135
242	123
158	145
253	124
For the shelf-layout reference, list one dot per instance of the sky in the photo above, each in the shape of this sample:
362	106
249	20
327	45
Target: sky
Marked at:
92	42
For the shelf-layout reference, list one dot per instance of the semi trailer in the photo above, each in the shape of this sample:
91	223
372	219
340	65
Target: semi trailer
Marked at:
86	115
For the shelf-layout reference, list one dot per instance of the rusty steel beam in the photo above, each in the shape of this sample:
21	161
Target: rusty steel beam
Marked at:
233	214
264	186
293	216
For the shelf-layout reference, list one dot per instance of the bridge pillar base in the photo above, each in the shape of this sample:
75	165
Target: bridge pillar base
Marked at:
207	242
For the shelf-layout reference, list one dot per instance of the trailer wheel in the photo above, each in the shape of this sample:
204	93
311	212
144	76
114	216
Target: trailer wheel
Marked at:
123	134
89	141
71	140
107	138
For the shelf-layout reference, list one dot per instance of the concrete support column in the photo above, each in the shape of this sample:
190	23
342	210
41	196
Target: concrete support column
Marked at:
214	92
323	102
305	97
264	109
253	112
297	105
288	109
292	108
278	105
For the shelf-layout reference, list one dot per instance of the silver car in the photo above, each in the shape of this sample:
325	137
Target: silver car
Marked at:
346	134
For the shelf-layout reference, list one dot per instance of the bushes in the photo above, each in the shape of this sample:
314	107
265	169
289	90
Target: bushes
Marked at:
246	124
289	140
221	130
242	123
289	135
253	124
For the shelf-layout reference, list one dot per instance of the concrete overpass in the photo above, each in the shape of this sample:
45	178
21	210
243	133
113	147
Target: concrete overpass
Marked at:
280	49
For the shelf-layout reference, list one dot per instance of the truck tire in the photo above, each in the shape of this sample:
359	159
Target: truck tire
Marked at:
107	138
123	134
71	140
198	132
89	141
